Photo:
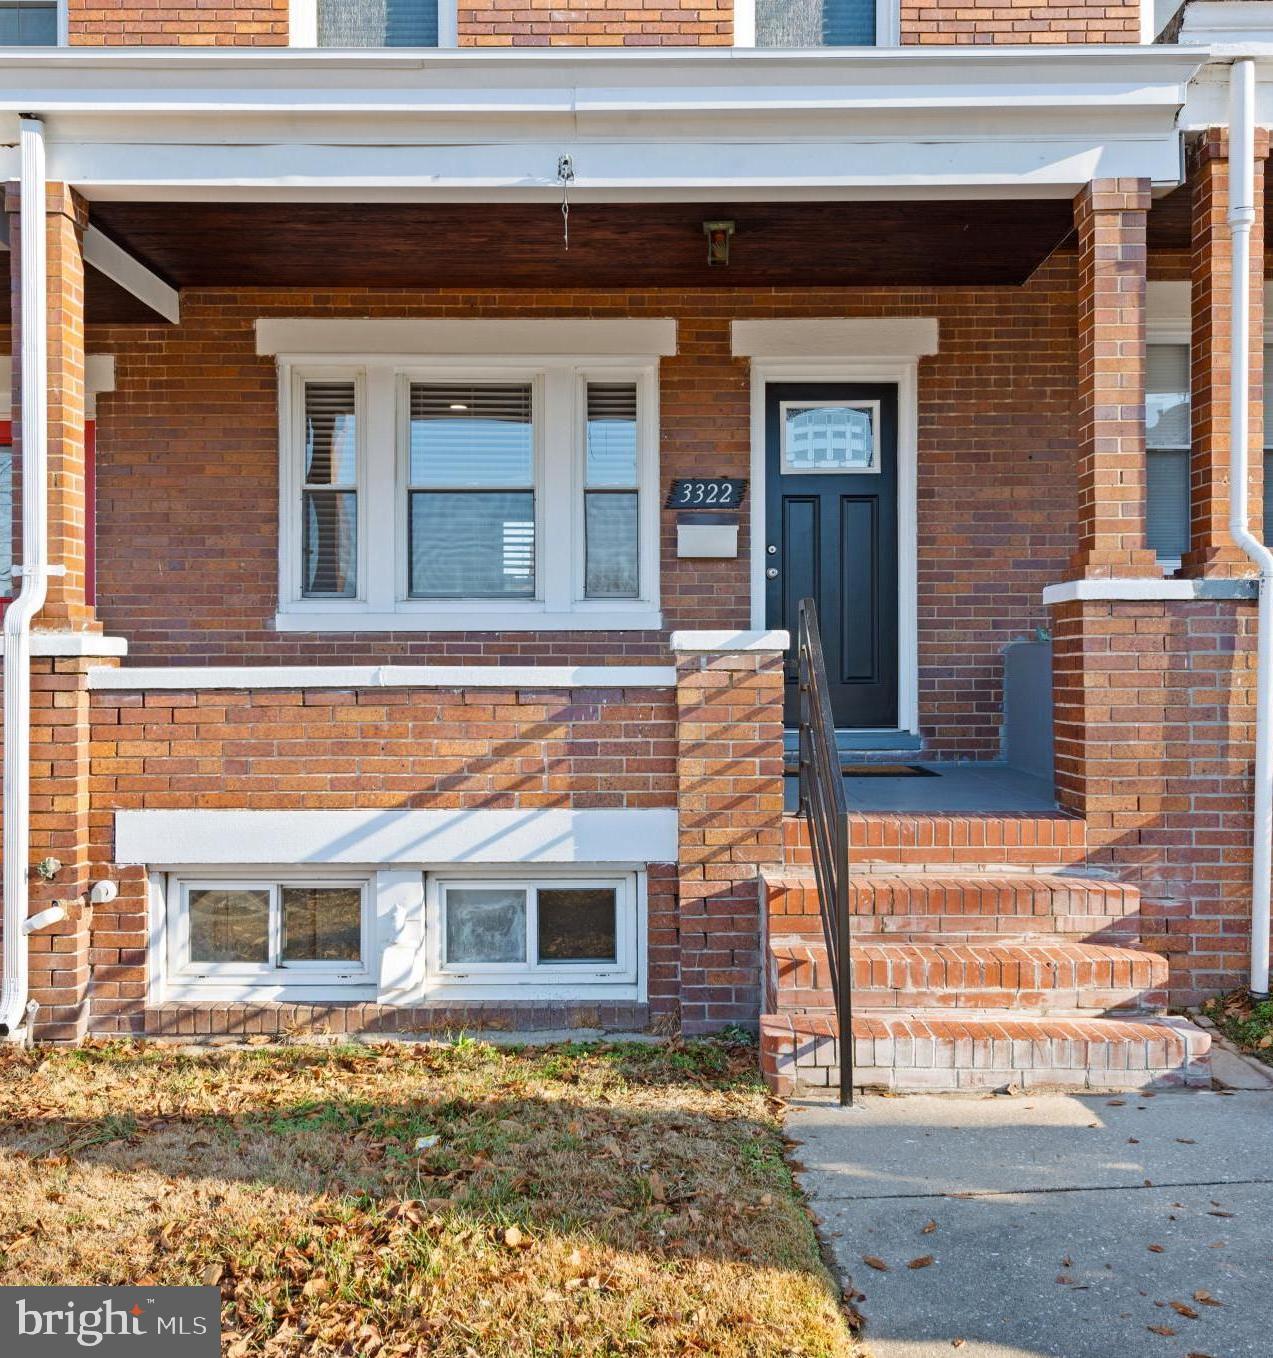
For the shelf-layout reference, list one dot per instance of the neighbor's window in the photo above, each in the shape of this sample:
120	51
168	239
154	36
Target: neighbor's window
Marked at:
377	23
504	497
6	512
280	932
28	23
566	931
1167	446
815	23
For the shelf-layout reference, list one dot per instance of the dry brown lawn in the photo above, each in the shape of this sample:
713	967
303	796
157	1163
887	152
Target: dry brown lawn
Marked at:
462	1201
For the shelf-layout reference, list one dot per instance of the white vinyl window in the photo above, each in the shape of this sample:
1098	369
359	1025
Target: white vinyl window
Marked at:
572	932
508	496
271	932
32	23
1167	451
372	23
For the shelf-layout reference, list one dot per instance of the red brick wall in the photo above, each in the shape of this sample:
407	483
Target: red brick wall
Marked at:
523	23
178	23
188	466
1155	741
334	748
372	748
1019	21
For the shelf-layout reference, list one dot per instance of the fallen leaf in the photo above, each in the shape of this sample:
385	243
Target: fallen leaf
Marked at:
212	1275
1218	1213
957	1343
874	1261
1205	1297
922	1262
1160	1329
316	1287
516	1239
928	1228
1186	1141
1064	1279
1183	1309
1157	1249
657	1191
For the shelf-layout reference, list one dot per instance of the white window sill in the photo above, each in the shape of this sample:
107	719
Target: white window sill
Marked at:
472	617
440	991
192	991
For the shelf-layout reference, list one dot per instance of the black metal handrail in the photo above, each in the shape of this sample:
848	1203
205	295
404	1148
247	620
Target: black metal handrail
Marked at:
825	809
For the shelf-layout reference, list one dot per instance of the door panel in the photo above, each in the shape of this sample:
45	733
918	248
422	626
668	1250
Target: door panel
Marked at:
831	514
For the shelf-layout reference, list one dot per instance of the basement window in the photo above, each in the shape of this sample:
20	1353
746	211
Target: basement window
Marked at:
509	497
271	932
494	932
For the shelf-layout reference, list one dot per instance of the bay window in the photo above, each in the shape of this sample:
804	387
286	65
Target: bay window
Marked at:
444	495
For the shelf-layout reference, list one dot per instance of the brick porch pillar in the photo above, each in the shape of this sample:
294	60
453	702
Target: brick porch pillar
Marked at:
60	732
1110	217
67	608
729	801
1212	552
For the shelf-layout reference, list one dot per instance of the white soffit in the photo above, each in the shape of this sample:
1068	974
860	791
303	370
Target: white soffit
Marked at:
490	338
831	339
444	837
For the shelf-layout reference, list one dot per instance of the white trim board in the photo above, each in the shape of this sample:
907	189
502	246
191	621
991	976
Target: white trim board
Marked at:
637	835
848	337
586	337
831	368
129	273
99	377
184	677
74	644
731	642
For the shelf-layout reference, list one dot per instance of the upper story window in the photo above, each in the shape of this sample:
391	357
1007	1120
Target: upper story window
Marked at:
510	496
29	23
372	23
815	23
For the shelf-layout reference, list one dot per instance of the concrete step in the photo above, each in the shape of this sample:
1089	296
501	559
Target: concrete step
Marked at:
1020	977
974	906
1044	839
923	1052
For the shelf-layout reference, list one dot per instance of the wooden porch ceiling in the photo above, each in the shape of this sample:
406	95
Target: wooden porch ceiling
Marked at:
612	246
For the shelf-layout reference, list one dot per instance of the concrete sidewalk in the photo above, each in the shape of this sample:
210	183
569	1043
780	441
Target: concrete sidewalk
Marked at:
1046	1209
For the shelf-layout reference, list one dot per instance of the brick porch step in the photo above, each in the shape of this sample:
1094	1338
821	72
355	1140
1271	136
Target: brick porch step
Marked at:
921	1052
1027	838
1023	976
975	906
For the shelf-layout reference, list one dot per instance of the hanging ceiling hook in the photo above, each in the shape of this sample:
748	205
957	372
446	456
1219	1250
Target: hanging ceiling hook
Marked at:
565	177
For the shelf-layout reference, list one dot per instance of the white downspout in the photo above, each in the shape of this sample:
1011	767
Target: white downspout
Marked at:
34	574
1241	218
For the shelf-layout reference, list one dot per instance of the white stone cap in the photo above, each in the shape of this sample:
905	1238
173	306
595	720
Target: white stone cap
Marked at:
384	676
776	641
74	643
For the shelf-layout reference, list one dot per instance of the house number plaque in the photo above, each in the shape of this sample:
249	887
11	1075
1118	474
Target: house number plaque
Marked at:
707	492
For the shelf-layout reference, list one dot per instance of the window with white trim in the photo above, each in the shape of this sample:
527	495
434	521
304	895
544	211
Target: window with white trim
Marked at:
794	24
30	23
506	496
500	932
372	23
266	931
1167	451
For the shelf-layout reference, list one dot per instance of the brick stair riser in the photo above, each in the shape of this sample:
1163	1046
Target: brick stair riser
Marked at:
968	842
810	1060
806	988
994	906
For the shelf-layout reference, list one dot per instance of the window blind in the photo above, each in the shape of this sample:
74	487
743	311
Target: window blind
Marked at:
611	528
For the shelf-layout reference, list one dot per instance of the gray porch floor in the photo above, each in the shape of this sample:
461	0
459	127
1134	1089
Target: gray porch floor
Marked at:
957	788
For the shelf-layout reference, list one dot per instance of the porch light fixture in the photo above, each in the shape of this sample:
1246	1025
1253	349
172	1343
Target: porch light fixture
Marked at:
718	237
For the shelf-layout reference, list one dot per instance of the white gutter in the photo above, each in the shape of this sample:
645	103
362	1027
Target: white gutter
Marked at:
1241	218
34	574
